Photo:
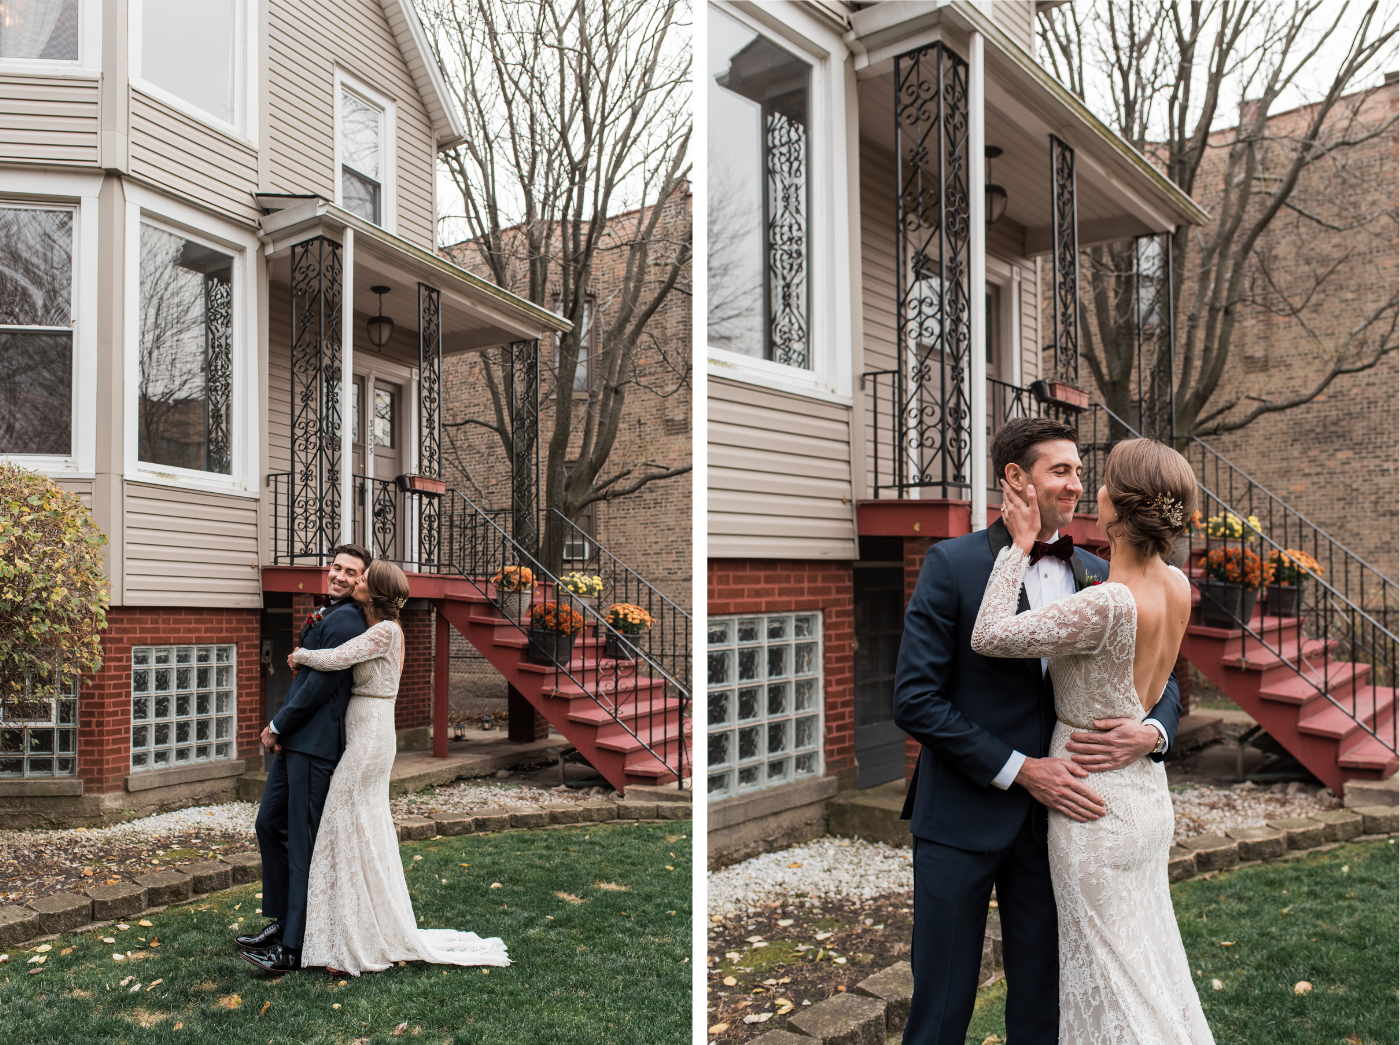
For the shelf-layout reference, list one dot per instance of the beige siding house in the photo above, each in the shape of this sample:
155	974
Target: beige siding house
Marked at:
873	319
189	238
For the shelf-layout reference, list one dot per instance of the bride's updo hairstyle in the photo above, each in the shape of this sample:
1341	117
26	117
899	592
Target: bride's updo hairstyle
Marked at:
388	588
1153	490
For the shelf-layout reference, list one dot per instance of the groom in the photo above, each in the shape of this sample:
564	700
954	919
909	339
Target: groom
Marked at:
977	804
308	736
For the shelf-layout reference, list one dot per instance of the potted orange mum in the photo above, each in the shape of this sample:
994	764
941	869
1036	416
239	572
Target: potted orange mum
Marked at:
1291	568
1231	586
624	619
552	632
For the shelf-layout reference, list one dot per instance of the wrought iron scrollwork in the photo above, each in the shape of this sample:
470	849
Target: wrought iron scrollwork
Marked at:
1064	295
522	372
785	200
384	513
1156	341
933	405
218	372
317	295
429	416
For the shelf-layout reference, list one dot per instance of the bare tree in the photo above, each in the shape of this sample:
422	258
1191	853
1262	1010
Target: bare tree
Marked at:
1167	70
578	135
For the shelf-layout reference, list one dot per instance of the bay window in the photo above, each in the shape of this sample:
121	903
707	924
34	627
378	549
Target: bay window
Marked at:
197	53
39	30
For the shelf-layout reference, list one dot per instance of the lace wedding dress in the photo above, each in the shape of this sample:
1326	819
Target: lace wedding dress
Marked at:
1124	977
358	912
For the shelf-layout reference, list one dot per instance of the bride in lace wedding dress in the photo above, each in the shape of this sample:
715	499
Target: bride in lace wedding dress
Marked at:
359	915
1124	977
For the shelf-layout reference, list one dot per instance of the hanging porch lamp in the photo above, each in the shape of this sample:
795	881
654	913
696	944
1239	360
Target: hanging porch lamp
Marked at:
995	194
381	327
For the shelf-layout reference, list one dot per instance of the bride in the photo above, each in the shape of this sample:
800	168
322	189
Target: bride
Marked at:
1124	977
359	915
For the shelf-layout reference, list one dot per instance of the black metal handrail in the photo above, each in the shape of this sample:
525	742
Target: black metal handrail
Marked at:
1328	618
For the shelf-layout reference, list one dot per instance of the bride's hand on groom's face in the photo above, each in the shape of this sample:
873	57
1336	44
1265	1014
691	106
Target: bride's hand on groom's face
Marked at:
1021	513
1057	784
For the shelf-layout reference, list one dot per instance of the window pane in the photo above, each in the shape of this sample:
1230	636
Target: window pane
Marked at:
186	353
360	128
720	704
36	267
359	196
188	49
383	418
36	396
757	154
43	29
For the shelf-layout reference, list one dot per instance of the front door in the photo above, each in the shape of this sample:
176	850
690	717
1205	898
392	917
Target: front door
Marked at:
376	412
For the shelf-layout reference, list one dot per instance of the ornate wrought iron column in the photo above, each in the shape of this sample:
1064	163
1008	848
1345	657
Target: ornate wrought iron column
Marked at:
1064	280
933	295
429	416
785	217
317	295
218	371
522	372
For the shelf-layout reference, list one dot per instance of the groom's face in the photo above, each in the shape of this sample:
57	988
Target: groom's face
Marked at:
1056	478
345	571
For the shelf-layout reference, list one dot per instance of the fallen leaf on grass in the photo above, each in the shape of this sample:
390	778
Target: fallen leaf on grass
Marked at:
1217	985
78	993
146	1018
229	1001
33	972
785	922
134	988
44	948
729	981
38	959
992	1039
718	1028
612	887
1302	987
178	1026
336	1005
571	898
360	1041
126	981
266	1005
118	957
148	923
1227	943
66	950
1352	1039
399	1029
109	939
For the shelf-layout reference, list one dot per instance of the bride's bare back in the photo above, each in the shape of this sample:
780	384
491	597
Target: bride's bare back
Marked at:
1163	597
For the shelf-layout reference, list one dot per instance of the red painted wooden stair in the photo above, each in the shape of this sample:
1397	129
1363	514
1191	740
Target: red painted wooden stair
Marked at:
611	711
1285	686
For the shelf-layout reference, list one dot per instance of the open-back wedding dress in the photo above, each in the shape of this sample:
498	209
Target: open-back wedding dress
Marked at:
358	913
1124	978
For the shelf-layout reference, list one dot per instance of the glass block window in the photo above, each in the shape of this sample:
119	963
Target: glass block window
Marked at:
40	738
764	701
182	705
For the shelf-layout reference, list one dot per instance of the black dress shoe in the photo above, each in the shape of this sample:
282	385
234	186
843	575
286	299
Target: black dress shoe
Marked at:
261	941
276	959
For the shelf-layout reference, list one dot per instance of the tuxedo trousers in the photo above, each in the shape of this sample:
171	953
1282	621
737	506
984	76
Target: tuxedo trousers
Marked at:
952	888
288	819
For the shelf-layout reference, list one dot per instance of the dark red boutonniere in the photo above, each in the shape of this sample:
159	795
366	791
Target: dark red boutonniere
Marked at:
1089	581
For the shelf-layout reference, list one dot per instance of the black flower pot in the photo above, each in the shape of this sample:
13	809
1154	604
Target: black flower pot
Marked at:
1225	604
617	646
549	647
1281	600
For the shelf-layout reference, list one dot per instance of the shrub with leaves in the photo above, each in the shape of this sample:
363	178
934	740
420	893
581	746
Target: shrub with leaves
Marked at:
53	592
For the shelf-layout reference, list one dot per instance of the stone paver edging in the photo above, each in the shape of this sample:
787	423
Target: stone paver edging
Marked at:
103	904
1280	840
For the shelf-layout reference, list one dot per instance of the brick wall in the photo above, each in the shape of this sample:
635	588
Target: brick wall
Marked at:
786	586
104	703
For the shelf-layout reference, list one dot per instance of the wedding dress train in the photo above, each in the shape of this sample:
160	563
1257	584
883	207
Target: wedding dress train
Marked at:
359	914
1124	977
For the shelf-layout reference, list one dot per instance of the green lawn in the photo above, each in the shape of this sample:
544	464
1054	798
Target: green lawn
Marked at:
1339	934
613	968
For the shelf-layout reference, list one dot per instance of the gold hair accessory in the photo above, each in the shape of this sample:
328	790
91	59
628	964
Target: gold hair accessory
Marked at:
1169	508
398	603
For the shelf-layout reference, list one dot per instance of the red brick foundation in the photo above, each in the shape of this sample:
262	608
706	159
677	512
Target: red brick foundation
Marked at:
104	702
786	586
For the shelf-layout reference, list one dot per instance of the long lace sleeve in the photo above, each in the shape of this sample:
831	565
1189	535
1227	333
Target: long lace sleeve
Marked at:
1078	624
373	643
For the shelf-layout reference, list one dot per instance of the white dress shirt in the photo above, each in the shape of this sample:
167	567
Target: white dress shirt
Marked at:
1048	581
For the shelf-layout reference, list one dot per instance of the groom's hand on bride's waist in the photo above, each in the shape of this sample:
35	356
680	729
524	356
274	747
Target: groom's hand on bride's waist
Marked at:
1058	785
1121	742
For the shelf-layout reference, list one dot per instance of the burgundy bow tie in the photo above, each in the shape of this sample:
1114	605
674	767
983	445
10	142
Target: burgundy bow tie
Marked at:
1063	549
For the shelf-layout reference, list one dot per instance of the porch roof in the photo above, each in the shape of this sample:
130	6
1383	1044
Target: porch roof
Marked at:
1121	194
475	313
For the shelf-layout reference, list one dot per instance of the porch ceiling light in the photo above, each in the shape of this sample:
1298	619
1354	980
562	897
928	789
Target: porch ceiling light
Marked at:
381	327
996	195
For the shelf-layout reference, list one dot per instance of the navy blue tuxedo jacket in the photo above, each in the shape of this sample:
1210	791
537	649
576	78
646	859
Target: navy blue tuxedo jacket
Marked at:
971	712
312	721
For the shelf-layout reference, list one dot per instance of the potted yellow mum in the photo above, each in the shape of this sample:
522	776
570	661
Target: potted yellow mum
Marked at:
624	619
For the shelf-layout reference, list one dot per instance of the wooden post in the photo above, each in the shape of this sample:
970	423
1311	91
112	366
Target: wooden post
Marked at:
442	644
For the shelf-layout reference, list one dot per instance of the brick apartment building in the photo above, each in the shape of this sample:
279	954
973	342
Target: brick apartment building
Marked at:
648	530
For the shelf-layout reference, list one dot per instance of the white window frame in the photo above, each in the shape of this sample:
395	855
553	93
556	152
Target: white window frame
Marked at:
245	65
735	724
77	192
89	61
144	206
388	179
830	287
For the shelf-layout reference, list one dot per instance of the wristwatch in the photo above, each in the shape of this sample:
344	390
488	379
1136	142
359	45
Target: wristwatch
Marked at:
1160	746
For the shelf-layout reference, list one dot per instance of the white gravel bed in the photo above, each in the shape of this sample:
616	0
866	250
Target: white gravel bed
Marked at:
235	818
1202	809
467	795
826	869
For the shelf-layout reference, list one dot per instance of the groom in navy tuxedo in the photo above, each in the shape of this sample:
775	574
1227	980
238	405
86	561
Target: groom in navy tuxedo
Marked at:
977	804
308	736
